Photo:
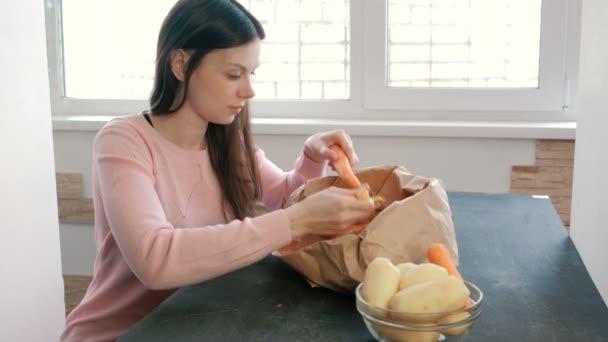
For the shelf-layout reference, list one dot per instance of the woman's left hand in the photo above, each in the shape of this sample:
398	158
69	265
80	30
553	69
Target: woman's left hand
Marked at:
316	147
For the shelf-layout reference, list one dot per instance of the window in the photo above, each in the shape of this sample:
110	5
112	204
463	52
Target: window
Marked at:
304	57
467	55
357	58
463	44
305	53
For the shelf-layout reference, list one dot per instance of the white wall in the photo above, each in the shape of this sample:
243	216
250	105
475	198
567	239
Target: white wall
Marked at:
464	164
589	228
31	290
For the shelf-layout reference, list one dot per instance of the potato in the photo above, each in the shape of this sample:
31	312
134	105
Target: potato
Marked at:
461	316
400	335
380	282
434	296
420	274
406	266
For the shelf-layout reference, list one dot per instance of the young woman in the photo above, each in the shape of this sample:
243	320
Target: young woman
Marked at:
175	187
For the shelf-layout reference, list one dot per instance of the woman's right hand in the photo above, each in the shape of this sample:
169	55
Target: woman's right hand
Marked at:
328	212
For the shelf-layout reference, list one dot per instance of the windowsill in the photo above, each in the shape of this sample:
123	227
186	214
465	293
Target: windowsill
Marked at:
396	128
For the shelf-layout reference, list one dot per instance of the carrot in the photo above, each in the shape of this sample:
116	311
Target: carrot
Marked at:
439	255
342	166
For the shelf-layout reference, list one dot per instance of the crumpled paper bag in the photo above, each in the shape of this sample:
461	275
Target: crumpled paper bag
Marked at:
417	214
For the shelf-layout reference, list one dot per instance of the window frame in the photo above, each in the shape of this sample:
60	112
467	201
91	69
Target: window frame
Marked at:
549	96
369	99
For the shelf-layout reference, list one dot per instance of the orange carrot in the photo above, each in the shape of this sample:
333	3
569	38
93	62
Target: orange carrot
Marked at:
438	254
342	166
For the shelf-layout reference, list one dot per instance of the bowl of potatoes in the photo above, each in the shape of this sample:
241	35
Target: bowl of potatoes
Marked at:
416	302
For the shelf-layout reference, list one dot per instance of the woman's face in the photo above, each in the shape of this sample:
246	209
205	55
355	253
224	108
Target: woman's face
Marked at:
221	85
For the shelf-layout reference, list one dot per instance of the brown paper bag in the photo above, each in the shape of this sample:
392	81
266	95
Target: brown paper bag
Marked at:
417	215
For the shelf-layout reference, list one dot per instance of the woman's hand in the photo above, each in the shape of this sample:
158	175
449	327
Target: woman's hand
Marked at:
328	212
316	147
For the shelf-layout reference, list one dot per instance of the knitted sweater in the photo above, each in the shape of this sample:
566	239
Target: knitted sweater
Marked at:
159	225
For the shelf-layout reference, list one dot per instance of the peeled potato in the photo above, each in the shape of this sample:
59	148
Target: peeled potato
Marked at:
405	267
420	274
380	282
452	319
401	335
434	296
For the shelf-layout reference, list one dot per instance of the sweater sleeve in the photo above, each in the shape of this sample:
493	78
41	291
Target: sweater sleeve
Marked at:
160	255
277	184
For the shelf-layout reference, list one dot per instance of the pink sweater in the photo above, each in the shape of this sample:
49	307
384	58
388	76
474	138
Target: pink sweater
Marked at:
159	225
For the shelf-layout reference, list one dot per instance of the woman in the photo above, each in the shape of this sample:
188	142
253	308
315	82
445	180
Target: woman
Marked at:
175	187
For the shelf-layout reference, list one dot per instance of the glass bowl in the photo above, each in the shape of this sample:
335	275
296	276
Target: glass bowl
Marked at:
388	325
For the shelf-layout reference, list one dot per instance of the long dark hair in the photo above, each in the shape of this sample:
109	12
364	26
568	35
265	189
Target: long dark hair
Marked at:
199	26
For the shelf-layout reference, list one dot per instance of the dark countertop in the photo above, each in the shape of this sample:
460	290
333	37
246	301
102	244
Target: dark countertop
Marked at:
514	247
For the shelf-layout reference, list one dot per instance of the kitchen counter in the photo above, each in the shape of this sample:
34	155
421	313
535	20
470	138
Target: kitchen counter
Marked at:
514	247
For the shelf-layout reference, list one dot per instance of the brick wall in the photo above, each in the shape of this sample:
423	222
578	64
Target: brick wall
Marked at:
551	175
73	208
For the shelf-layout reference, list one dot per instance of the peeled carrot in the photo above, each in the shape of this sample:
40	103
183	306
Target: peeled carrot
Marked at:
342	166
438	254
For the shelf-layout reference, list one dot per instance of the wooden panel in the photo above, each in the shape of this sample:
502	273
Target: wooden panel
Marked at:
566	220
526	169
548	177
79	211
555	145
551	175
555	162
564	155
567	192
73	208
562	204
69	185
555	149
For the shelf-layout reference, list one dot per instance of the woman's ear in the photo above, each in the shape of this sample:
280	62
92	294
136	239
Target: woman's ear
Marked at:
179	63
